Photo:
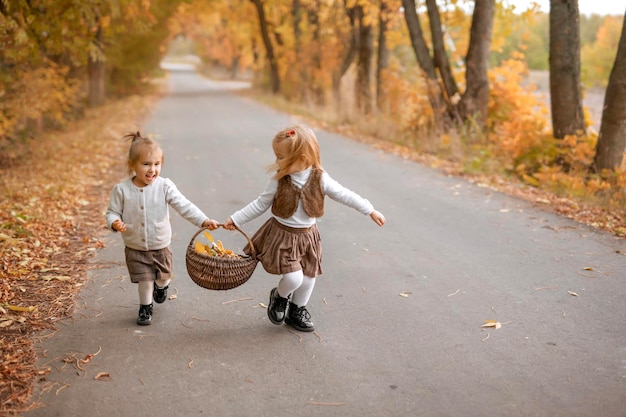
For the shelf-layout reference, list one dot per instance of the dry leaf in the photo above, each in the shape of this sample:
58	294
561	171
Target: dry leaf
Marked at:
208	236
492	323
572	293
23	309
6	323
102	375
405	294
57	277
172	297
588	268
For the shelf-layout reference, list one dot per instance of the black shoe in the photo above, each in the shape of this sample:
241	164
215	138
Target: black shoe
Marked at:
276	310
299	318
145	315
159	294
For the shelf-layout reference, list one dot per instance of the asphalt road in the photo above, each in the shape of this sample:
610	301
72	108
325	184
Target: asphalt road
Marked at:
398	311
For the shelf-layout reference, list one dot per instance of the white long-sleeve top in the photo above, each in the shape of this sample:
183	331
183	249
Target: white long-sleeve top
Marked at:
145	211
300	219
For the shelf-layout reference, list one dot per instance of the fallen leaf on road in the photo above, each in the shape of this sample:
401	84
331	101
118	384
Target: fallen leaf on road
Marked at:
588	268
405	294
545	288
492	323
102	375
237	300
572	293
172	297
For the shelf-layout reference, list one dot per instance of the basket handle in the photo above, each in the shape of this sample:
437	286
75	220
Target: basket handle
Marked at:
221	225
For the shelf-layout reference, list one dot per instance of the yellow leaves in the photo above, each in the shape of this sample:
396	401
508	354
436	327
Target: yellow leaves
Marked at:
200	248
492	324
7	320
208	236
20	309
212	248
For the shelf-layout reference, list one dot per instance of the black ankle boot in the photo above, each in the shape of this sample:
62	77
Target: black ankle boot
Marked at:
159	293
299	318
145	314
276	310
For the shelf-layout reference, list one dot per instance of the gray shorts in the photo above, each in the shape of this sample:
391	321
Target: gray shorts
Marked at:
148	265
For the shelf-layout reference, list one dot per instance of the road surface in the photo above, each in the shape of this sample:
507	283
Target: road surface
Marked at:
398	311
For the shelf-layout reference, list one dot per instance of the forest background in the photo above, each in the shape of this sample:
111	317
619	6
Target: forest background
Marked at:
75	76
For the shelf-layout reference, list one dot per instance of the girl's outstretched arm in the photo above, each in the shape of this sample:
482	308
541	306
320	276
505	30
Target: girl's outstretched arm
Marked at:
377	217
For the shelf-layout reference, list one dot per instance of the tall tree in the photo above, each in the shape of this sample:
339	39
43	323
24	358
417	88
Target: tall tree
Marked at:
269	48
348	56
475	100
612	139
439	53
565	85
435	95
383	52
96	69
315	52
365	53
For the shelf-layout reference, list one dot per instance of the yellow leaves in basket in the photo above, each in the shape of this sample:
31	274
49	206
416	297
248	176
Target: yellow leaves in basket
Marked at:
214	249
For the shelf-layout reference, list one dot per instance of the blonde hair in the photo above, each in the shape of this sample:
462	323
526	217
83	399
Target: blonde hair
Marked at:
302	142
136	143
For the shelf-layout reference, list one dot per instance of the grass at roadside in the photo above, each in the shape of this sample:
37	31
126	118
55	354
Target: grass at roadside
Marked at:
52	199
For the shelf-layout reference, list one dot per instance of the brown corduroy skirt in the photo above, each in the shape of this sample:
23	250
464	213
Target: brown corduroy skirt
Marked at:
282	249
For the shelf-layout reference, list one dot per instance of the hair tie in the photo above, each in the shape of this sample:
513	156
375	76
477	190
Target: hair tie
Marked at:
290	133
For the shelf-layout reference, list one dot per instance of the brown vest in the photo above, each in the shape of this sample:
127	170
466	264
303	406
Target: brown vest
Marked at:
288	194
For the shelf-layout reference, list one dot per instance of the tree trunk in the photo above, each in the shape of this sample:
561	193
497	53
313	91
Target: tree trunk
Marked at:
565	86
439	52
315	83
269	49
364	65
96	72
297	17
612	139
383	54
475	100
348	56
425	62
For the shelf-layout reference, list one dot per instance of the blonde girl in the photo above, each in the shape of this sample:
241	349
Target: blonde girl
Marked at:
289	243
138	209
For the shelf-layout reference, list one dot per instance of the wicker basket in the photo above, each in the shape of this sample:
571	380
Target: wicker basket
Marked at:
219	273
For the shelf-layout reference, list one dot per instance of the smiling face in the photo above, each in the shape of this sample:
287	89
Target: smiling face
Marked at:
147	167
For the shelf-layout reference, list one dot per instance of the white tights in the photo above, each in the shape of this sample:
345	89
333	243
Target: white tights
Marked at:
146	288
297	284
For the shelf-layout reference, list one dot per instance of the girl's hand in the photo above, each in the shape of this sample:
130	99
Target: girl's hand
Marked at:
210	224
118	226
377	217
229	224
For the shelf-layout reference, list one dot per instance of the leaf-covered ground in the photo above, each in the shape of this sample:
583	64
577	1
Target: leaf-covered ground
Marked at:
53	193
52	200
